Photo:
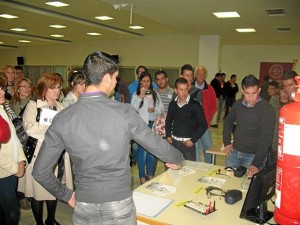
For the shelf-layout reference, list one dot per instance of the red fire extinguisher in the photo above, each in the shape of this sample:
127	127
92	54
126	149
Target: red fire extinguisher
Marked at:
287	210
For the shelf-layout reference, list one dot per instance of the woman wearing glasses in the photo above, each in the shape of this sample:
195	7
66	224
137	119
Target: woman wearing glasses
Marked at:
48	90
23	93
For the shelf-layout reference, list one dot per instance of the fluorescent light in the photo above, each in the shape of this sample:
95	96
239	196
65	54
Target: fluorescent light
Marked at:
18	29
24	41
7	16
1	42
245	30
104	18
57	35
57	4
57	26
226	14
136	27
93	34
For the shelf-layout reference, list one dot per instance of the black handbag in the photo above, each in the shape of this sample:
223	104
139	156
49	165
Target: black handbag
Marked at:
28	142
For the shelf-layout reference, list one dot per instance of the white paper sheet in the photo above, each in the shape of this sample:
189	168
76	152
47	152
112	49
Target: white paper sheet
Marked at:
149	205
47	116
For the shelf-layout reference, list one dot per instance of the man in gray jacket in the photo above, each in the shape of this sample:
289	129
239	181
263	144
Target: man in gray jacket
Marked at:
96	132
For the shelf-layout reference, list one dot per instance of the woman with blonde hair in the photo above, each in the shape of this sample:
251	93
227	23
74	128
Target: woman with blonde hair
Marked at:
10	73
48	91
23	93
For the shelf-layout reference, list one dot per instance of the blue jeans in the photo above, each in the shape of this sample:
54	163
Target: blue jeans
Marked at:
237	158
134	148
205	142
108	213
9	205
145	160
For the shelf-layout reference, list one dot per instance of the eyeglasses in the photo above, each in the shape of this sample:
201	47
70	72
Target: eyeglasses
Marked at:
218	172
24	86
214	191
3	89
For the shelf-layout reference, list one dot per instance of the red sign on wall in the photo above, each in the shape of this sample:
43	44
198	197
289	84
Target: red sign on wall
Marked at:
274	69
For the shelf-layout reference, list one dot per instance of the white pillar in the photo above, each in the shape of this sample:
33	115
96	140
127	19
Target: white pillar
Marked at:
209	54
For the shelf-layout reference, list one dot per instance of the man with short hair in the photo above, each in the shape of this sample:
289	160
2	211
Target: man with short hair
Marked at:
185	122
253	134
206	96
95	131
164	90
231	88
19	72
289	83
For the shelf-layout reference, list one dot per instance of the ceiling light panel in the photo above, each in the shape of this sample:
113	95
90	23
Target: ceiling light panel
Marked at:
57	4
93	34
104	18
19	29
245	30
57	26
136	27
226	14
7	16
24	41
57	35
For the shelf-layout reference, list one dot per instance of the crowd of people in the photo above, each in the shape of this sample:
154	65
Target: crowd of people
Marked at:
82	138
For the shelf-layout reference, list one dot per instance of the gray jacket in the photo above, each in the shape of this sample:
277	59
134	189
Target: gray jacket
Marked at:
96	132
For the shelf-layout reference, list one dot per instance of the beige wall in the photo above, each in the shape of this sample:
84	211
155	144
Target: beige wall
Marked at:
245	60
162	50
159	50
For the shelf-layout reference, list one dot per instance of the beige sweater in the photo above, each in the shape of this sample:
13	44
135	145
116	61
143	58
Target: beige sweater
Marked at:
9	157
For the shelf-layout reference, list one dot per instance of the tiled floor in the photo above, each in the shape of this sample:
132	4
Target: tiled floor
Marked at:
64	212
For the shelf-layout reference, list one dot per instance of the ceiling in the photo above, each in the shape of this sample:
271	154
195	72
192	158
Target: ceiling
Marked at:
193	17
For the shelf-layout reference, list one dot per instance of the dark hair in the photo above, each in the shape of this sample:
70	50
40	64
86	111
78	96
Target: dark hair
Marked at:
250	81
186	67
266	77
218	75
122	88
274	84
75	77
96	65
138	89
291	74
232	76
19	68
161	72
223	74
180	80
139	67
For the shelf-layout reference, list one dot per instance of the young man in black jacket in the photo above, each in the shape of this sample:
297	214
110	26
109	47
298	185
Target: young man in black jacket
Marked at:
185	122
